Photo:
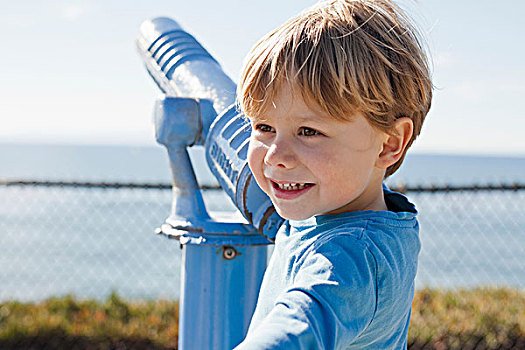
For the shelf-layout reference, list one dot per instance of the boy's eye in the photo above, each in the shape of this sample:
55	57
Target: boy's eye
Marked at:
304	131
263	128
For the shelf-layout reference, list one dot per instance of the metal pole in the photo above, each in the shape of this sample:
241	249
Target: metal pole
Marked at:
222	263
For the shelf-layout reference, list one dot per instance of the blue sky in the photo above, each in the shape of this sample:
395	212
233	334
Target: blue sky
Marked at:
69	71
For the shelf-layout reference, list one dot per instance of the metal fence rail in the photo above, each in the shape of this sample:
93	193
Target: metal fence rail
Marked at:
400	188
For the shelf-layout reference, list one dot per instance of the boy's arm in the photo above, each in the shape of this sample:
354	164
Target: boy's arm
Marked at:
332	300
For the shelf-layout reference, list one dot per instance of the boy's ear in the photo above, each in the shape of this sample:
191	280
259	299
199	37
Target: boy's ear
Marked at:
394	143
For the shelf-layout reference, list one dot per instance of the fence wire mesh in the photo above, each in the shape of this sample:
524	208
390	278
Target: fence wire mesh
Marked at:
96	241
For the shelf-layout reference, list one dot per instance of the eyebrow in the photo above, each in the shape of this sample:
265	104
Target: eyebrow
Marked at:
312	118
257	118
300	119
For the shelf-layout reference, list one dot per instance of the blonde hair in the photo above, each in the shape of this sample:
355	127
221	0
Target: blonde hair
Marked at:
345	57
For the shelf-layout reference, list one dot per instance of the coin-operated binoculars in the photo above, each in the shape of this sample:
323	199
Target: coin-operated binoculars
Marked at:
223	262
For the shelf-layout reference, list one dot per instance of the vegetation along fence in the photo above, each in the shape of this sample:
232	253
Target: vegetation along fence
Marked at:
81	266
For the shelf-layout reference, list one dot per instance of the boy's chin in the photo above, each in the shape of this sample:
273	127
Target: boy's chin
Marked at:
291	215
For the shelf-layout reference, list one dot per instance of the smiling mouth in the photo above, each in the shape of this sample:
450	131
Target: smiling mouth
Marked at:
291	186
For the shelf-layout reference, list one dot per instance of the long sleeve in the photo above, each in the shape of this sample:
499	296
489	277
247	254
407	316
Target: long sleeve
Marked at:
330	301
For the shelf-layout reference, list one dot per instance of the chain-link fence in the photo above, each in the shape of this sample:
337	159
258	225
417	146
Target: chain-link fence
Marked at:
90	240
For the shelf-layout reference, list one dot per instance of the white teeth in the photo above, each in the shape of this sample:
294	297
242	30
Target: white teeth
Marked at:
291	186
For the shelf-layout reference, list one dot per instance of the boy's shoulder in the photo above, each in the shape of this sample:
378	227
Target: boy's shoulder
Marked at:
374	234
401	216
369	230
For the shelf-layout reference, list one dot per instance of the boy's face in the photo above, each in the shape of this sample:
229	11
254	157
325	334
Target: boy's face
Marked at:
310	163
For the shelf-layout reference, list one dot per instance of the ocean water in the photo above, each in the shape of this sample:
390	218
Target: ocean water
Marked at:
90	242
150	164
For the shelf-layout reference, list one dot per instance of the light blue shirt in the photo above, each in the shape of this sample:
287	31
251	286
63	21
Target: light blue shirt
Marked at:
341	281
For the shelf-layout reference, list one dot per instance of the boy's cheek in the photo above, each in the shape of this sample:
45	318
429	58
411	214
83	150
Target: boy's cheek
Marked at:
250	155
255	162
255	154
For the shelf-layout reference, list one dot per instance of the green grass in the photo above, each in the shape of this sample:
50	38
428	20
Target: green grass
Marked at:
468	319
464	319
67	323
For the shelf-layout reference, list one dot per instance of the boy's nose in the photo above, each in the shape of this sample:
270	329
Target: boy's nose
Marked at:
280	155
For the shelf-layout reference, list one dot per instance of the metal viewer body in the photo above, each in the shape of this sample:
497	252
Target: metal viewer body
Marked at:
223	262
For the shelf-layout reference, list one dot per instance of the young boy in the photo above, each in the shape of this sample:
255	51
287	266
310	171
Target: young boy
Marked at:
335	97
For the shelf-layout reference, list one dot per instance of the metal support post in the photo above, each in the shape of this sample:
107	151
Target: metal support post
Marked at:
222	263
